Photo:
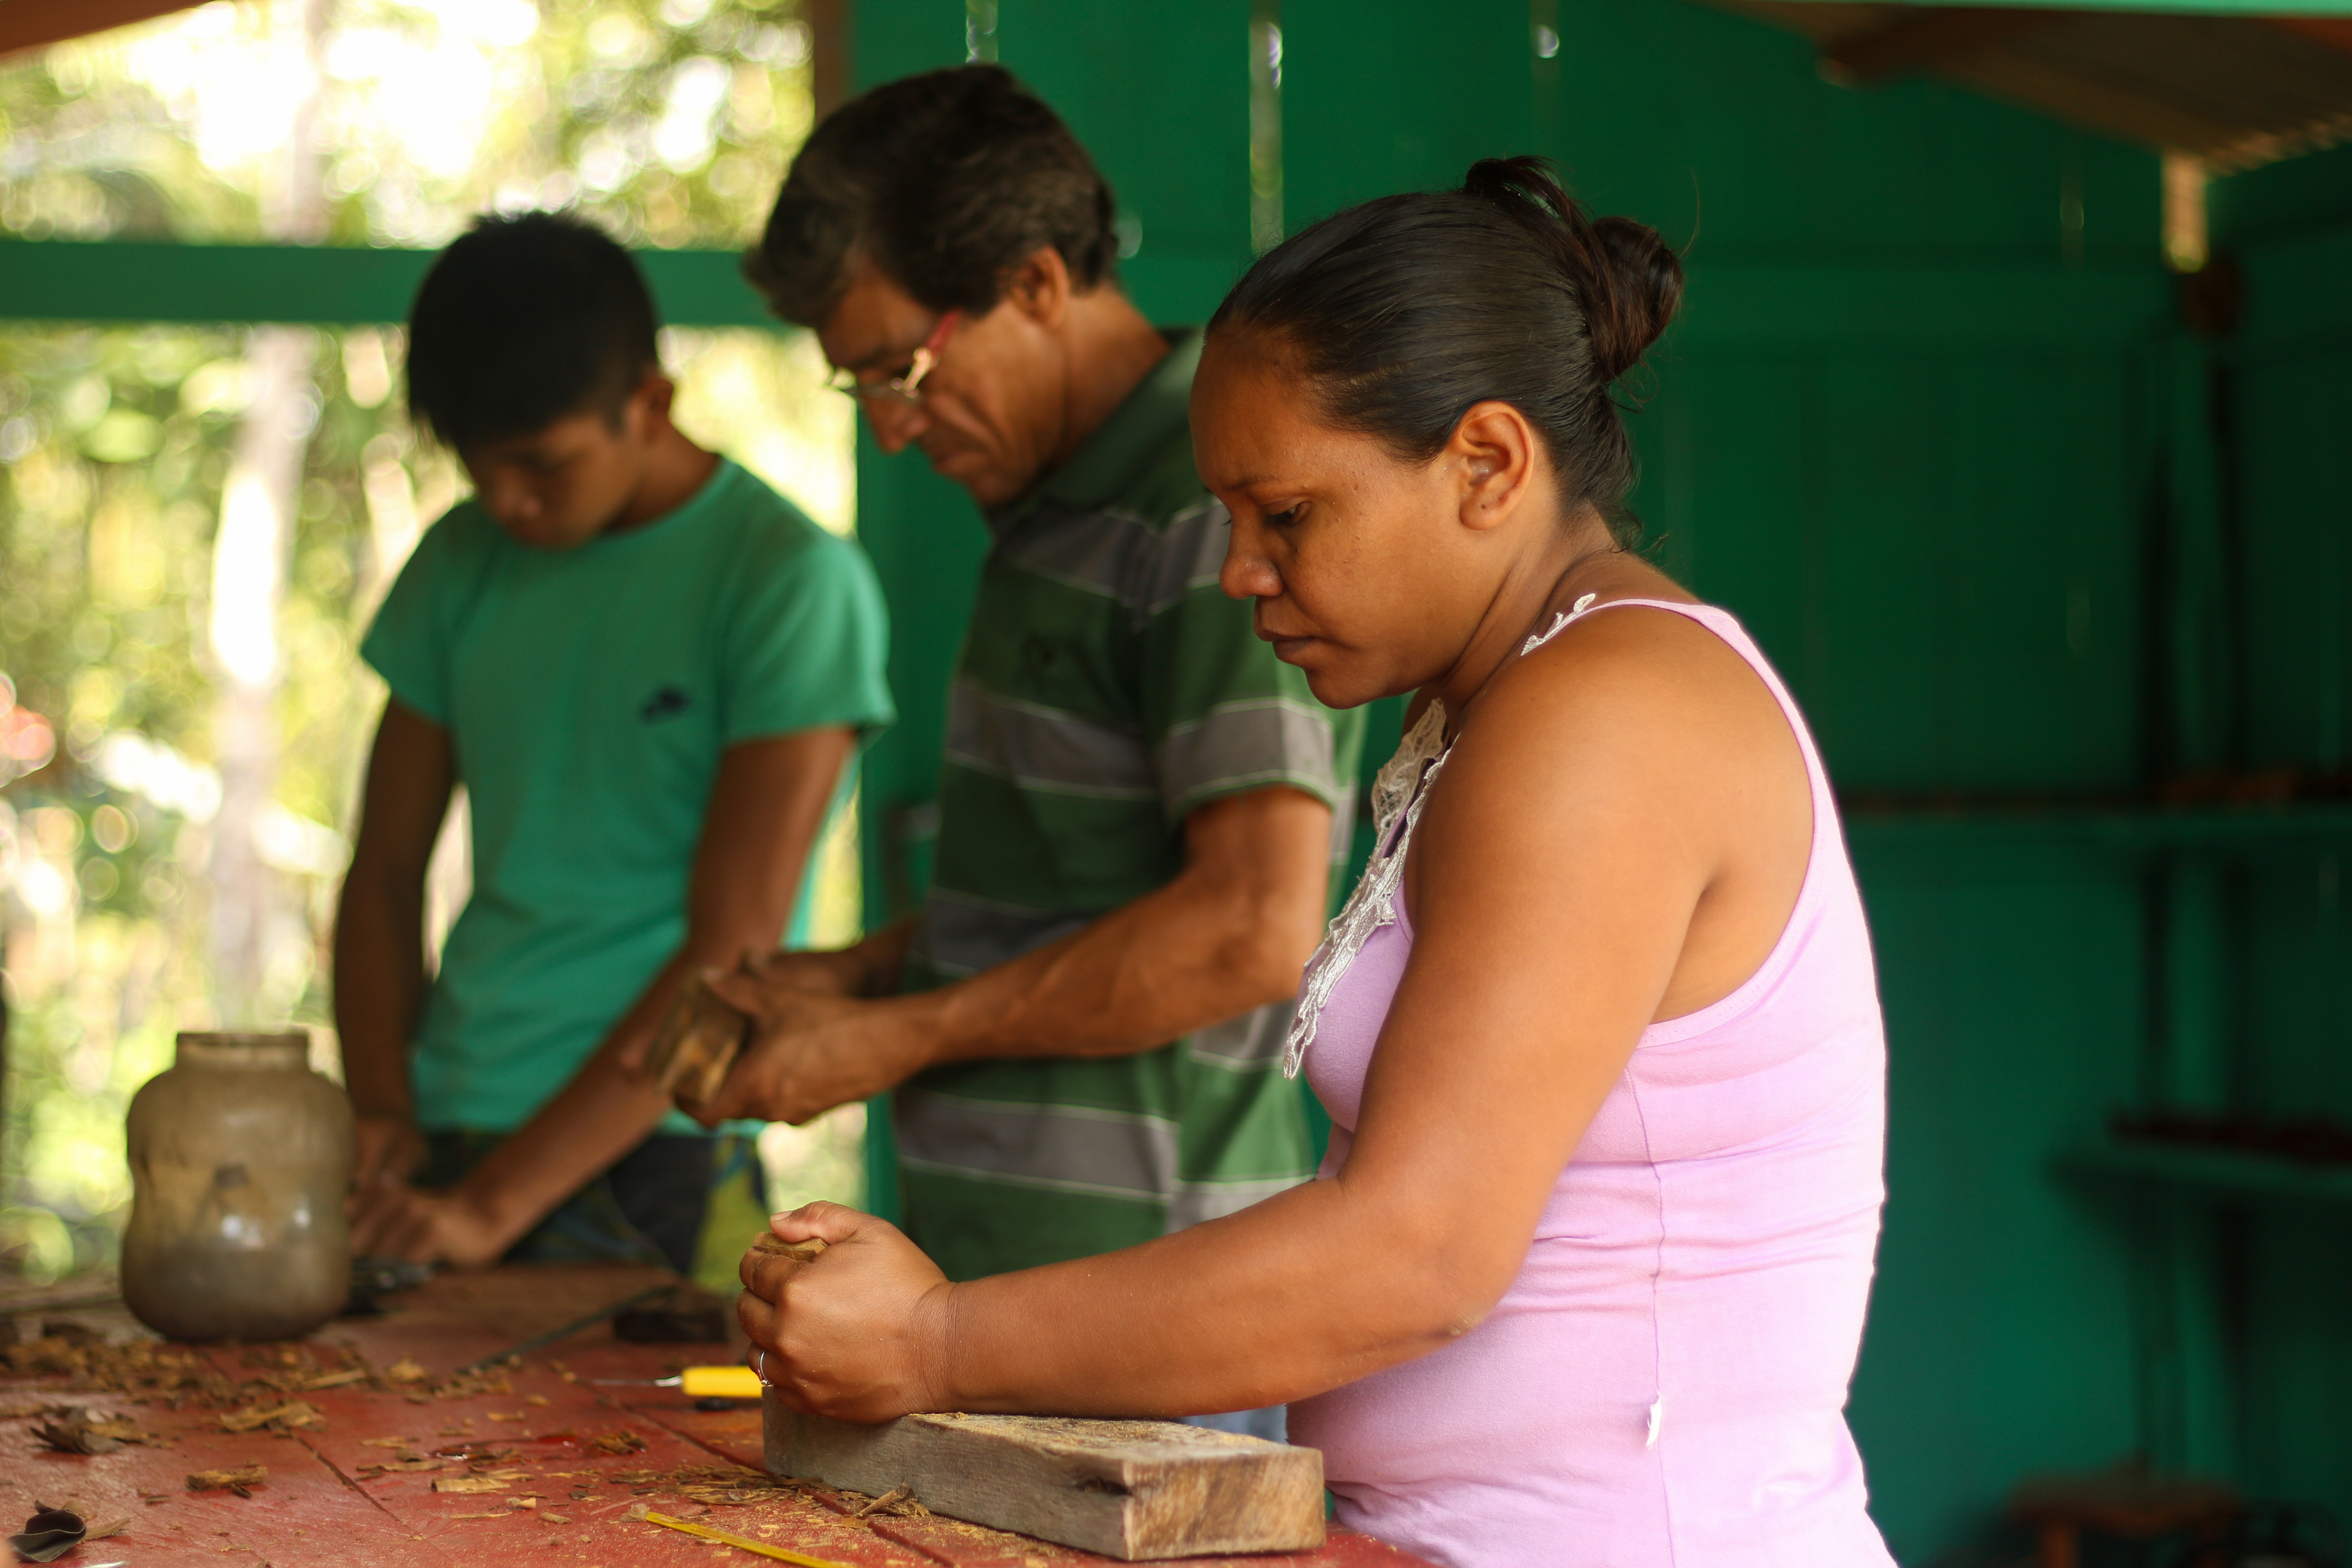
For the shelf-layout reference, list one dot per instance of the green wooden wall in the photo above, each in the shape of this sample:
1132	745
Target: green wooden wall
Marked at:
2284	395
2024	549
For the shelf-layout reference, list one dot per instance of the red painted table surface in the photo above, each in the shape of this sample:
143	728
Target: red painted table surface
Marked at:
316	1509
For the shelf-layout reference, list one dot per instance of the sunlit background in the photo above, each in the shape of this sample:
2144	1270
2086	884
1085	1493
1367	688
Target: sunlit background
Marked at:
196	524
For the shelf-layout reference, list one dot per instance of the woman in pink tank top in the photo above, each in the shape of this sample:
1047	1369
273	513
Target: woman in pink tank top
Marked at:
1582	1279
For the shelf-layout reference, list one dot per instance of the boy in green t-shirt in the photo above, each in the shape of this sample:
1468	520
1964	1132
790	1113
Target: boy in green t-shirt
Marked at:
649	671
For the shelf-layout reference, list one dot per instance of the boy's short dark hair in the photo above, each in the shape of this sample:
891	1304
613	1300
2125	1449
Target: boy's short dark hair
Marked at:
522	320
945	181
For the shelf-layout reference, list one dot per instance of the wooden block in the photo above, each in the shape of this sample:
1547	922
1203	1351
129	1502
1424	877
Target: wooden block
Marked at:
698	1041
1129	1490
775	1246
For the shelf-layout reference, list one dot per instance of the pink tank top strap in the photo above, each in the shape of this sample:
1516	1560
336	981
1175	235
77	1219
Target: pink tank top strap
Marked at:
1726	625
1826	871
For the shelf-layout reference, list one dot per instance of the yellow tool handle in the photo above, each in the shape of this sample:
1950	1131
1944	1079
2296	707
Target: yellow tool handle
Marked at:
762	1547
718	1383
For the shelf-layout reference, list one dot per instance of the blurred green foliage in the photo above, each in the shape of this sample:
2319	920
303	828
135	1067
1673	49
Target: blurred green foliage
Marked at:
669	122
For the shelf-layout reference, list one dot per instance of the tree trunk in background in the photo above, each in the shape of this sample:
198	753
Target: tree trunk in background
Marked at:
253	913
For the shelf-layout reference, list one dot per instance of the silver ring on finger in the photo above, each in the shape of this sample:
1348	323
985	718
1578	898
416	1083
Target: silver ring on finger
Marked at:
759	1366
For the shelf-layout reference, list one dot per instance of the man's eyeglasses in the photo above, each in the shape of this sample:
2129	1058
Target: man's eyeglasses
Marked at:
903	390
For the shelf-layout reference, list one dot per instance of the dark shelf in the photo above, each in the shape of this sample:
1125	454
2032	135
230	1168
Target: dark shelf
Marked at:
2110	828
2212	1170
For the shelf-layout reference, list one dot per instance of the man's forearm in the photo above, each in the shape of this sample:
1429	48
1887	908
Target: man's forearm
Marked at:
877	965
1177	960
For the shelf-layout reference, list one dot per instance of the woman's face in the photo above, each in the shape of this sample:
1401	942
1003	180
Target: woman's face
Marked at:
1363	576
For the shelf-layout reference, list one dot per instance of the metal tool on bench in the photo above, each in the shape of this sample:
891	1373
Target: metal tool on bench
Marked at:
568	1330
723	1382
696	1382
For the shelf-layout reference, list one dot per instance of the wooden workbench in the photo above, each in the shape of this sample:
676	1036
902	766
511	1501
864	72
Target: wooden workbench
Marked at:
322	1504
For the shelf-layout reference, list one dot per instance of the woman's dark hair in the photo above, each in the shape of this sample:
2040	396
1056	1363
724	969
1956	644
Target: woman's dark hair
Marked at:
522	320
945	181
1406	310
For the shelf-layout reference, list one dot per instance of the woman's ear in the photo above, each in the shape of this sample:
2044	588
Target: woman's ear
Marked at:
1040	287
1494	457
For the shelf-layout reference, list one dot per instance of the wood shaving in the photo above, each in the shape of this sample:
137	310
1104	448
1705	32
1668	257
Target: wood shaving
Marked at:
471	1484
74	1435
621	1442
405	1370
294	1413
236	1480
343	1379
899	1502
388	1442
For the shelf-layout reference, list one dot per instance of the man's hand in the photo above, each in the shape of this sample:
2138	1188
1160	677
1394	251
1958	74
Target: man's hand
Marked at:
860	1332
393	1219
386	1147
837	973
809	1050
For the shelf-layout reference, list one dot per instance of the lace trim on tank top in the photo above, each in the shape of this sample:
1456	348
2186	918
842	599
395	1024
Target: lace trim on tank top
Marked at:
1398	790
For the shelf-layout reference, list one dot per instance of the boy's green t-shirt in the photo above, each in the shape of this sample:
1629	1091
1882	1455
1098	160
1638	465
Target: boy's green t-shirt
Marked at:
589	694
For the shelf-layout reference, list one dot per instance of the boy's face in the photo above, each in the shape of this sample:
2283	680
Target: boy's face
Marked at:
571	480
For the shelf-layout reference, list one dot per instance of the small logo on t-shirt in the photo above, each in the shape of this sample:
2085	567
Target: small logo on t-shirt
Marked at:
668	703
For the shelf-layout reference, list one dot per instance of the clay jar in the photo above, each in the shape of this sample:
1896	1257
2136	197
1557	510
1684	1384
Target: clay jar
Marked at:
240	1156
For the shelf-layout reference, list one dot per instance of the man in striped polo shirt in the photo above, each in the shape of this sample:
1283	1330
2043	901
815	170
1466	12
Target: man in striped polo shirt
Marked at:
1139	805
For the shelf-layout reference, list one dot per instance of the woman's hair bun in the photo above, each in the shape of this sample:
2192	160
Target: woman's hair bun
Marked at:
1629	279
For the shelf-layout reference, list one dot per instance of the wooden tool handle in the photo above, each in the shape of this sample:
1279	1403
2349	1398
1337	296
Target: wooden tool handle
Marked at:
774	1246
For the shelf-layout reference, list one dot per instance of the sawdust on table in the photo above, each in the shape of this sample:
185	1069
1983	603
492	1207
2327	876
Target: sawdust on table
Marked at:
144	1369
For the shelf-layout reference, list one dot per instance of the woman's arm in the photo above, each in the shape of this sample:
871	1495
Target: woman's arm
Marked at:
1603	795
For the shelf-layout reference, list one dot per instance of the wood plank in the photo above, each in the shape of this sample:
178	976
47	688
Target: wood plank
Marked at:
328	285
1128	1489
1929	40
37	24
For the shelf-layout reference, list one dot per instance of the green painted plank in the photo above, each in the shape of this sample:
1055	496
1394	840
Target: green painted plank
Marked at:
2216	1171
1732	306
118	280
1729	306
2184	7
2295	290
1973	832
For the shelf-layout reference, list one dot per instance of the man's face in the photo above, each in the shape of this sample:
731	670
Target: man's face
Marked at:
991	412
567	482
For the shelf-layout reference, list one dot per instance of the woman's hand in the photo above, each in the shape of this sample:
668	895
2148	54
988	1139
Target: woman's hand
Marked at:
860	1333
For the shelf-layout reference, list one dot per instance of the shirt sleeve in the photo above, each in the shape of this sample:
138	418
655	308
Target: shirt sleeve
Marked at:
806	643
408	642
1223	714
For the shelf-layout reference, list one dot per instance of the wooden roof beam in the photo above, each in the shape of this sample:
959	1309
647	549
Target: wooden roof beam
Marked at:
2335	31
1931	39
36	24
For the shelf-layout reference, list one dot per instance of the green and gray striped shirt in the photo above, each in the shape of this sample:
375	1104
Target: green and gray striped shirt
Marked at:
1106	688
